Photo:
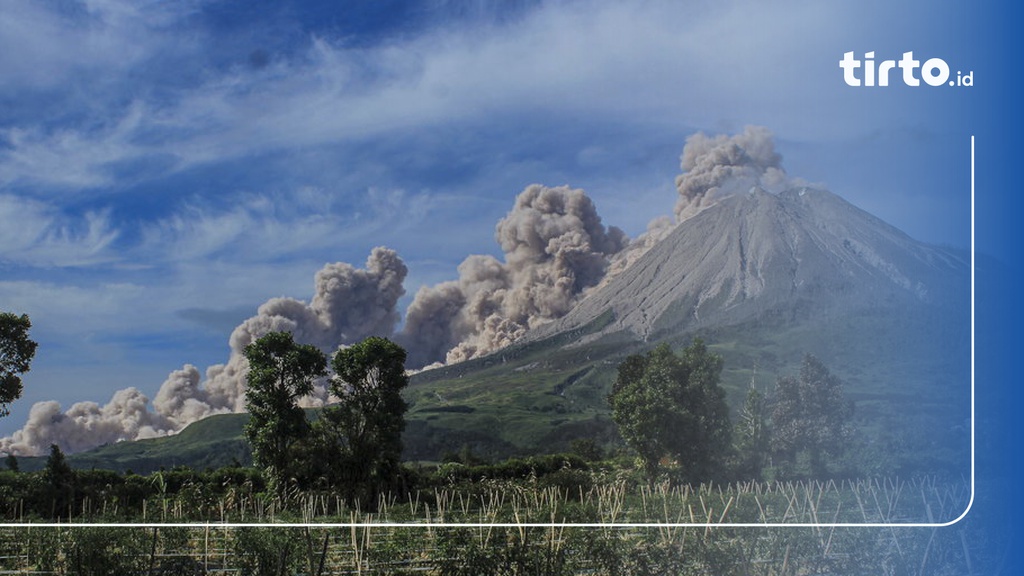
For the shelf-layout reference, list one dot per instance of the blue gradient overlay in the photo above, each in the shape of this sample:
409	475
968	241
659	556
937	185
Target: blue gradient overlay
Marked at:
994	117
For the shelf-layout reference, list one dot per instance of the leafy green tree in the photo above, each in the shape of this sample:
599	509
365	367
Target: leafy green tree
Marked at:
810	417
16	353
57	471
280	372
586	448
669	406
752	436
60	482
363	431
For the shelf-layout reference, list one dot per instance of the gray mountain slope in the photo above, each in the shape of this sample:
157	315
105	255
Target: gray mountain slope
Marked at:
804	251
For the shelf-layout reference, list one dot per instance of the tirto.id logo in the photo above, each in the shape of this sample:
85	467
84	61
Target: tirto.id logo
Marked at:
934	71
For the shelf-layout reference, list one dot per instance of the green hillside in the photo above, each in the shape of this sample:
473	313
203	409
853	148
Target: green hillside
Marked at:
540	396
209	443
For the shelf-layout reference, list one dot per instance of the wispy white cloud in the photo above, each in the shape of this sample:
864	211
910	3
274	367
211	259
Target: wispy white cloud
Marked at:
264	228
38	234
94	308
71	158
78	78
51	44
659	60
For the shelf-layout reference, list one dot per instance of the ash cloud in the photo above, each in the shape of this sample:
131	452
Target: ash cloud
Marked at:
349	304
717	166
657	230
86	424
555	247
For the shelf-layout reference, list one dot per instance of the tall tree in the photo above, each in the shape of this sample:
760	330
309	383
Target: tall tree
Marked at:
364	429
671	406
810	417
60	482
280	372
16	353
752	436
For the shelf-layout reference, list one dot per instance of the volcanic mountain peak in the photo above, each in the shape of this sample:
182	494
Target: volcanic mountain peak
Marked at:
757	253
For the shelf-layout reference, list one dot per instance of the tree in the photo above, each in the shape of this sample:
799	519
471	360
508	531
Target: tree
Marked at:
671	406
280	372
16	353
810	417
364	429
752	435
60	482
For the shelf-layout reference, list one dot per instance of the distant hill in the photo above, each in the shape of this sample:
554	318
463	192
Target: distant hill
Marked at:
209	443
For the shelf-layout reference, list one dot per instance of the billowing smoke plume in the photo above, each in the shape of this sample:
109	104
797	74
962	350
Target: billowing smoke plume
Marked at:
349	304
657	230
86	424
714	167
555	247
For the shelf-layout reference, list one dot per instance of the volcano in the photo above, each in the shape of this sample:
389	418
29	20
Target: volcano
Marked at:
763	278
759	255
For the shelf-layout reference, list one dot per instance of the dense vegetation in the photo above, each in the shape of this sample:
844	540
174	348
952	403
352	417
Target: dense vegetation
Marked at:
519	509
503	550
789	456
670	410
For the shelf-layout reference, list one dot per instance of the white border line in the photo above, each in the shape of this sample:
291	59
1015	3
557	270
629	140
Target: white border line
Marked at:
963	515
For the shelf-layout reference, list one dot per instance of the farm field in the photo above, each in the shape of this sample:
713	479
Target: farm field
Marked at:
565	522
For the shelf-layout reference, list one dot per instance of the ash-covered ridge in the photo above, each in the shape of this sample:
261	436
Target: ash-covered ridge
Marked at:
799	252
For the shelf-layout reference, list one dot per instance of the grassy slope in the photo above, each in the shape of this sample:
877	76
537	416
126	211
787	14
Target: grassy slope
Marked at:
212	442
903	369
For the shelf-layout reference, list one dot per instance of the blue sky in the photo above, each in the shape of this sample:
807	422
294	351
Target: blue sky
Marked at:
165	167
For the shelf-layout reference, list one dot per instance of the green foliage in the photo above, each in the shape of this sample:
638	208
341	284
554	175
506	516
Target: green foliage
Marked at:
535	467
508	546
969	548
16	353
359	439
587	449
60	479
536	552
752	436
104	551
280	372
465	455
82	495
810	420
267	552
667	406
